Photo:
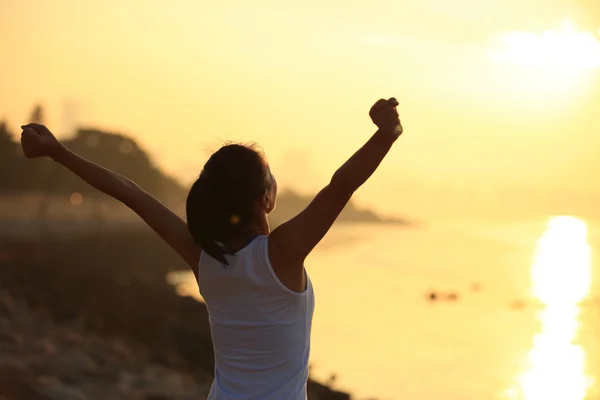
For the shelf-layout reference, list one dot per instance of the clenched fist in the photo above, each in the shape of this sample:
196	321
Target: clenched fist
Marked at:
385	116
38	141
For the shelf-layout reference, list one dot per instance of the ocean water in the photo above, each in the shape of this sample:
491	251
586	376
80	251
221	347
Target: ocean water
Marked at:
515	316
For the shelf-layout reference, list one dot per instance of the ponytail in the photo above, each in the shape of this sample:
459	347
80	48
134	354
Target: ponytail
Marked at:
202	217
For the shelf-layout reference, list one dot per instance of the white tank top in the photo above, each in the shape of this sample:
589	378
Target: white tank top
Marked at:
260	328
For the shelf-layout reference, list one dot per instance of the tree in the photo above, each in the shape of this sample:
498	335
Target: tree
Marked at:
5	136
37	115
11	164
7	145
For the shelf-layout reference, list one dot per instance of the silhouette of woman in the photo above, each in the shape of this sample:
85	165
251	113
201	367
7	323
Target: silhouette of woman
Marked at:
257	291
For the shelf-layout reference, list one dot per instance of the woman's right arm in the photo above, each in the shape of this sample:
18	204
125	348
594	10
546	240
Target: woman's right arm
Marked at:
293	241
38	141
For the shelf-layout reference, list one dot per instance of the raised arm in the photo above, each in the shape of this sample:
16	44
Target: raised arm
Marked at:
292	241
38	141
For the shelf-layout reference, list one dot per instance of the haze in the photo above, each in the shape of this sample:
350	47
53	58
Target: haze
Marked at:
498	98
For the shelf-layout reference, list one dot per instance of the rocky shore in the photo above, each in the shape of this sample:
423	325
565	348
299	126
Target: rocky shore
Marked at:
41	359
90	316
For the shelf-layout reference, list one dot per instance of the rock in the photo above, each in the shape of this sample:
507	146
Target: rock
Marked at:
126	380
70	366
14	364
47	381
475	287
452	296
65	393
121	349
99	391
518	305
72	337
11	338
14	385
45	346
7	303
73	360
156	374
158	382
318	391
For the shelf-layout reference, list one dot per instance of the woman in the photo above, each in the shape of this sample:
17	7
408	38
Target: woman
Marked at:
258	294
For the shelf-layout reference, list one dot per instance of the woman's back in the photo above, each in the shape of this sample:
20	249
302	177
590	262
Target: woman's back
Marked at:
260	328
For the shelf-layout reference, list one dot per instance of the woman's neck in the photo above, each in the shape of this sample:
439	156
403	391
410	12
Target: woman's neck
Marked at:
260	228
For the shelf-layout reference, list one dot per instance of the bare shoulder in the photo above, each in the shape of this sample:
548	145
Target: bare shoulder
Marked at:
289	270
293	241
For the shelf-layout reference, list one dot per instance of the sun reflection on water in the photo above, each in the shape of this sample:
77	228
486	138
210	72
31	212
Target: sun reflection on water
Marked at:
561	279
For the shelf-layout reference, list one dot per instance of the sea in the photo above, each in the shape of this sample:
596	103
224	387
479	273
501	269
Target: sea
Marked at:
456	309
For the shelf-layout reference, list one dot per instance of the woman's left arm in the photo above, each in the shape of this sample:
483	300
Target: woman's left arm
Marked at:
38	141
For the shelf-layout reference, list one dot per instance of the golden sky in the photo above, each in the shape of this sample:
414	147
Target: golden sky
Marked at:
492	93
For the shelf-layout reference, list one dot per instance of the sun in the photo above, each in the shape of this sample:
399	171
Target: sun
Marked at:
567	49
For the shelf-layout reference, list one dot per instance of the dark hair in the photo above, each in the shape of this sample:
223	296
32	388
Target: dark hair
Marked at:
220	204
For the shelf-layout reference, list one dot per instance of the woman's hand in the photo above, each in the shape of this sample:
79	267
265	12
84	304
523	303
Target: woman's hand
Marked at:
385	116
37	141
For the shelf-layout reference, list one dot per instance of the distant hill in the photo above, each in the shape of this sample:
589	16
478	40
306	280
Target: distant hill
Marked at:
290	203
114	151
125	156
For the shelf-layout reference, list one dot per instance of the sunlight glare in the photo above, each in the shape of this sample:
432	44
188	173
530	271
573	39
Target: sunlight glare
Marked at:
567	49
561	274
556	365
561	269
